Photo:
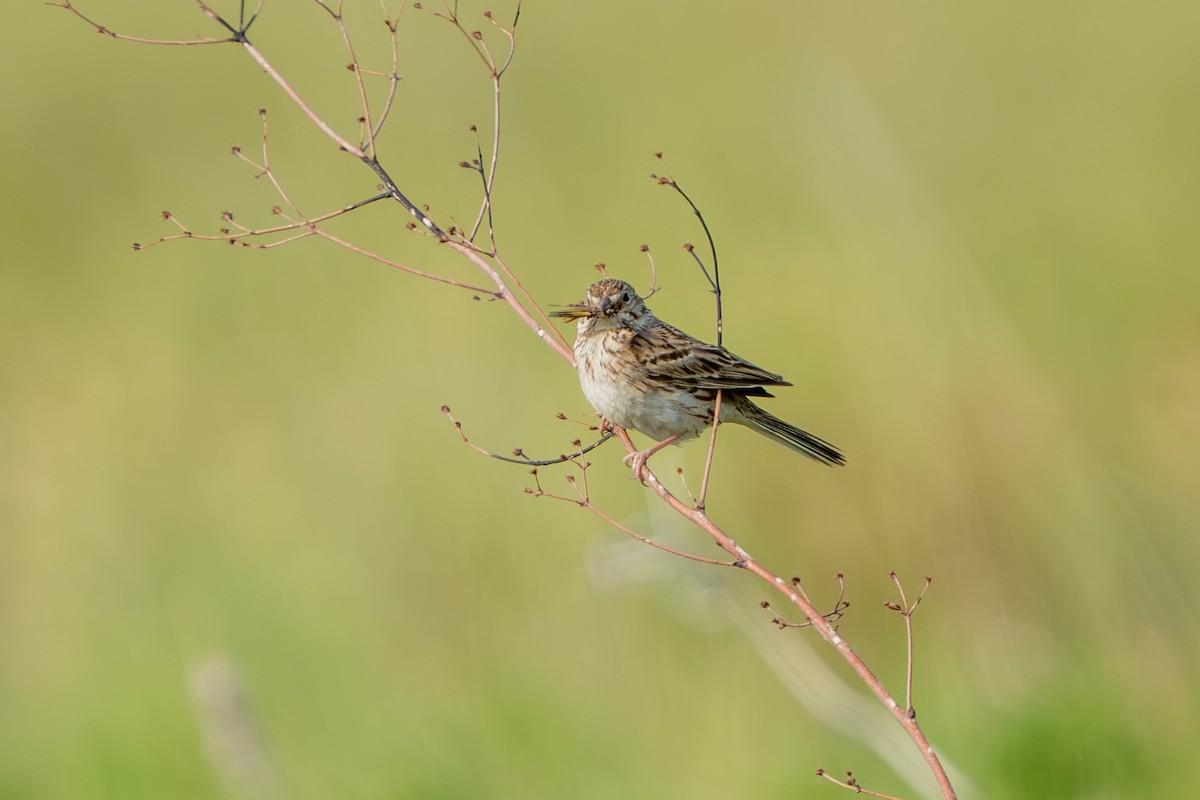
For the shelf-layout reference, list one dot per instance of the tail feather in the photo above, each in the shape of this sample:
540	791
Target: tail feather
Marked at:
787	435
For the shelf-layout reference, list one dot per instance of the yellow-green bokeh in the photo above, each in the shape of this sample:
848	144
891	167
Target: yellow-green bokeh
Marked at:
964	233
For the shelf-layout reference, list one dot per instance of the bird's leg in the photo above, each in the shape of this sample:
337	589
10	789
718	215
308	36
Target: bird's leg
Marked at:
639	458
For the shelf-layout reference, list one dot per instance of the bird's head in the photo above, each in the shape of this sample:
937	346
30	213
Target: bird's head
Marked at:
610	303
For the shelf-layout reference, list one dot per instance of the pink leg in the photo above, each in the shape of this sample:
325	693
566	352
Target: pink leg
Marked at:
639	458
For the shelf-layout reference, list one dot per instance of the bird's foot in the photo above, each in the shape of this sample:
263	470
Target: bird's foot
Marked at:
637	462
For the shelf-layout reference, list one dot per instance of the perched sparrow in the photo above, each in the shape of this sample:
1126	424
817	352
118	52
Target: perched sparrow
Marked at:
642	374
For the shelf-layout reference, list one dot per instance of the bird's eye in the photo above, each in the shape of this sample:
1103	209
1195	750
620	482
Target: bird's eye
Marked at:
625	297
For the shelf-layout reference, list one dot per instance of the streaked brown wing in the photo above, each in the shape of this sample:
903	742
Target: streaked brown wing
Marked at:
668	354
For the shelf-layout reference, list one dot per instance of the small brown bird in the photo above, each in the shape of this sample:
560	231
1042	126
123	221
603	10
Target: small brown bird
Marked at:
641	373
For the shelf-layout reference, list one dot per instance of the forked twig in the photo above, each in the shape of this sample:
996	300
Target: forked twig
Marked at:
518	455
496	71
839	607
298	225
905	610
714	280
106	31
393	76
654	287
583	500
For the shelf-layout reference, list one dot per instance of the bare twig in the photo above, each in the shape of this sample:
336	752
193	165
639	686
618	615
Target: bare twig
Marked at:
101	29
496	71
853	785
839	608
298	225
518	455
712	446
654	287
367	139
714	280
485	210
583	500
906	611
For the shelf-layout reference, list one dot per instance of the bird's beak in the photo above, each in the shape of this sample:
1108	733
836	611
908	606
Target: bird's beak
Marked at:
573	312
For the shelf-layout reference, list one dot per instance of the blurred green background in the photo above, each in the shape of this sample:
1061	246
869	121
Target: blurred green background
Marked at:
242	554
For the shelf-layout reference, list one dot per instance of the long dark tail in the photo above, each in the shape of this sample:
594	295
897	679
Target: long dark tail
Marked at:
787	435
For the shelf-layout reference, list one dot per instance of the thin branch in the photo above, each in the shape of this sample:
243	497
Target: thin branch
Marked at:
839	608
480	46
243	233
485	210
102	29
368	126
497	74
324	234
393	77
659	545
654	287
245	24
295	97
265	167
544	320
420	214
584	501
474	38
546	332
853	785
906	611
712	446
518	454
714	280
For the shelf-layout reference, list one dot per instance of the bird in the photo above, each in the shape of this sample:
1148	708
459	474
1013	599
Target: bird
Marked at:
642	374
